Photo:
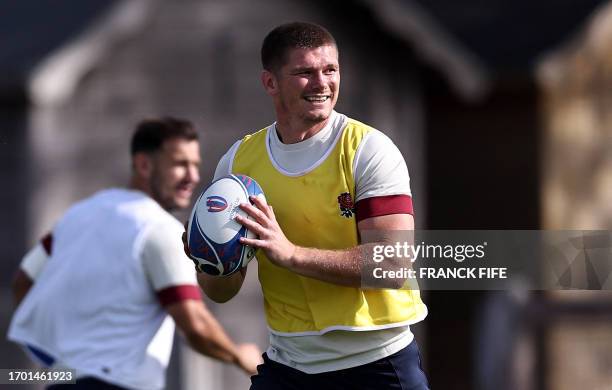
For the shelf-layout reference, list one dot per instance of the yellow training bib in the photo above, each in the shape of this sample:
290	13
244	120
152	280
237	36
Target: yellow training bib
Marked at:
316	210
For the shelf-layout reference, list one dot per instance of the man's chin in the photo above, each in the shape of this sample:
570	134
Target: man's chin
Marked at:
176	204
318	116
182	203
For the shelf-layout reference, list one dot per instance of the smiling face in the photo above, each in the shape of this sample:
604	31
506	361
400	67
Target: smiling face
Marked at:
171	173
305	88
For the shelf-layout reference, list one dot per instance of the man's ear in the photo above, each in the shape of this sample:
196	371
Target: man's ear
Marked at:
269	81
143	165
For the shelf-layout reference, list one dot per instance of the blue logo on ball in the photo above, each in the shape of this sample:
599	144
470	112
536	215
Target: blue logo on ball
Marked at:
215	204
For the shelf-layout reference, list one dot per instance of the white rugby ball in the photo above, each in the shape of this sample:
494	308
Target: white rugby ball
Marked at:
213	234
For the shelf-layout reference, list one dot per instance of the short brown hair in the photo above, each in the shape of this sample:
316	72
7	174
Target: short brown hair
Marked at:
296	35
151	133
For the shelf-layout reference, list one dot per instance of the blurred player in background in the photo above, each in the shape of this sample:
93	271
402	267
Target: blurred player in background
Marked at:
329	180
95	294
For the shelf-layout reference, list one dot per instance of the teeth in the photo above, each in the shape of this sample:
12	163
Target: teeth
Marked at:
317	99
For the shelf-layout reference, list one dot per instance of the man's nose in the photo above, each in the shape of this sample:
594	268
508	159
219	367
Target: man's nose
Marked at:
193	174
318	80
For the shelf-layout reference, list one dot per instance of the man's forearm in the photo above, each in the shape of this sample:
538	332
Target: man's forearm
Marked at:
349	267
20	286
212	340
221	289
342	267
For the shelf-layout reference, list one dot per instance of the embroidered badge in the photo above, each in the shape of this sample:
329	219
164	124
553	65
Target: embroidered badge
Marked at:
347	207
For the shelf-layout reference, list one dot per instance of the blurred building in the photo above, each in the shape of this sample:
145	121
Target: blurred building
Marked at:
498	107
576	80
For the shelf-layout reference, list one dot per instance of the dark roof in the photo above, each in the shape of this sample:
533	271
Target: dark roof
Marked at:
31	29
510	34
501	34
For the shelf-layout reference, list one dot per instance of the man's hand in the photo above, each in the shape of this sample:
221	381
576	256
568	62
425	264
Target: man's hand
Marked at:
341	266
186	247
271	238
218	289
184	238
249	357
205	334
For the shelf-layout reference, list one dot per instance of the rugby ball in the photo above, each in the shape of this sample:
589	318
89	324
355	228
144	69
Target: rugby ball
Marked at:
213	234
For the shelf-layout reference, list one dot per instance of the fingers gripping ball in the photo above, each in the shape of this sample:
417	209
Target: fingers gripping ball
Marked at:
213	234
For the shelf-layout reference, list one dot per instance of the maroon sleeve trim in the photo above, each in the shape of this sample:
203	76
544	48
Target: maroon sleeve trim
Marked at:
383	205
174	294
47	243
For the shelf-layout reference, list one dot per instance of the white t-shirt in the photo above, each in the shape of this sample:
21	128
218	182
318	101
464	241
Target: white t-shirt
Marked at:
115	260
158	254
380	171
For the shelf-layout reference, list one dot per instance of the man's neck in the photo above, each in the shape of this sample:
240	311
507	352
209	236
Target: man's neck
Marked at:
292	133
137	185
140	186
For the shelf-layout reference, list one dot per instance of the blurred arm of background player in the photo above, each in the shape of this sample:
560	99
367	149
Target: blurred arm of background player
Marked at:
21	285
29	269
205	335
201	329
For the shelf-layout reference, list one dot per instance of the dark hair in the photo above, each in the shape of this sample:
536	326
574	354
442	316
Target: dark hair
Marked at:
296	35
151	133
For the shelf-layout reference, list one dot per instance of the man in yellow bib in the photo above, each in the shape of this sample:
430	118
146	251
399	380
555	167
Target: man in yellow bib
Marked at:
328	180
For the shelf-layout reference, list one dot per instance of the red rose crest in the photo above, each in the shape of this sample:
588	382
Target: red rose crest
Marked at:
347	207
